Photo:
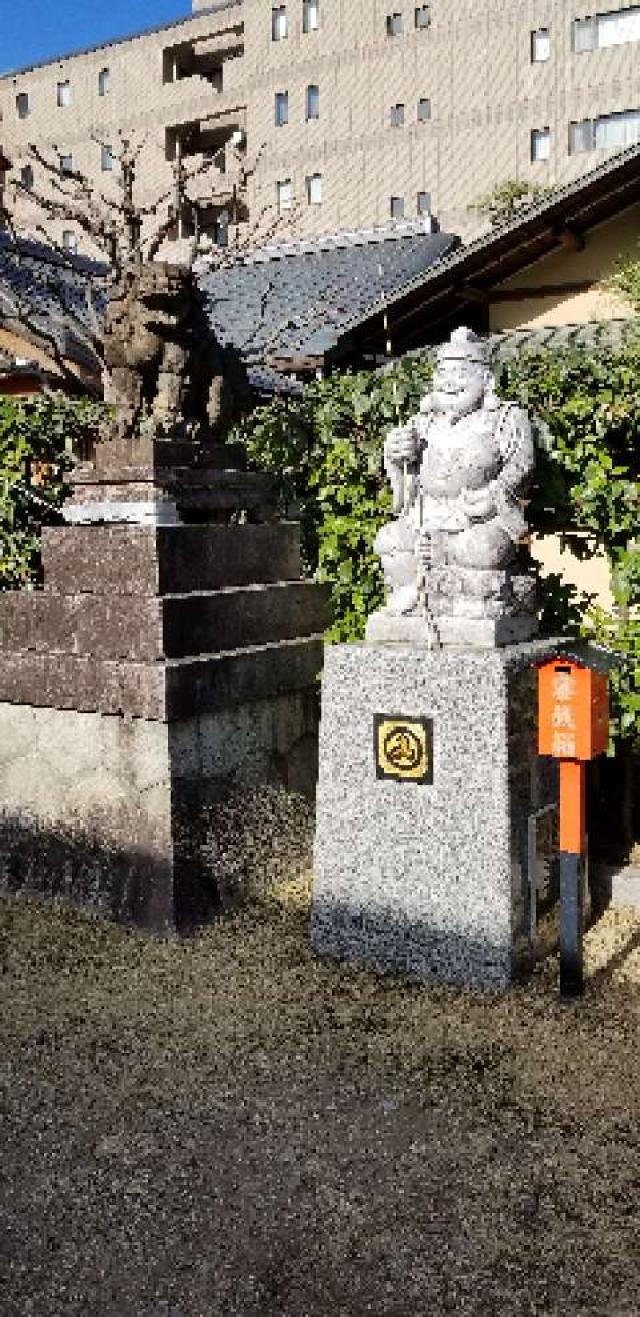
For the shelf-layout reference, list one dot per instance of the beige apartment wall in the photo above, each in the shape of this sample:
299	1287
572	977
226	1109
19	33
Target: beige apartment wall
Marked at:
473	63
138	100
593	265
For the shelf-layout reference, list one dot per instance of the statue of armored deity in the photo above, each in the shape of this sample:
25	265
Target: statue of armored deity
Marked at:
455	567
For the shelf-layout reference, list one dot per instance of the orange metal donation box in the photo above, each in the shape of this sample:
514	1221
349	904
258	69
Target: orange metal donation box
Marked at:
573	709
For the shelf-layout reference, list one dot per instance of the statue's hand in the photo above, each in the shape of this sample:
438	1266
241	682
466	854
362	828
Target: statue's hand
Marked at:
479	504
401	446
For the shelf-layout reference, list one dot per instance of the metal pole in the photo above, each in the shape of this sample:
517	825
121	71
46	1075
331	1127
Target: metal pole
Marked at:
572	849
571	926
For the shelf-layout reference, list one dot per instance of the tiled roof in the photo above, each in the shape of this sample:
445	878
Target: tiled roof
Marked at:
293	301
597	334
280	303
508	343
37	286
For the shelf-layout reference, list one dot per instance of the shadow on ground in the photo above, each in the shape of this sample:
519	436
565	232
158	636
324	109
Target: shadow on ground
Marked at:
229	1126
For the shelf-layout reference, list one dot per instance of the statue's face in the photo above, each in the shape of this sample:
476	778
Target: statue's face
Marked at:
458	385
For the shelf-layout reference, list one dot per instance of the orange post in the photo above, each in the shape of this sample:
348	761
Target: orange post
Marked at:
573	727
572	806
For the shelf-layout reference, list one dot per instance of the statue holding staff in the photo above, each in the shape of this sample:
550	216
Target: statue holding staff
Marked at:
458	471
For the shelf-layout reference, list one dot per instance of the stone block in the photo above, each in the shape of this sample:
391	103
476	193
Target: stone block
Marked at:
199	491
147	629
137	459
245	616
617	885
457	632
429	878
167	560
151	823
162	691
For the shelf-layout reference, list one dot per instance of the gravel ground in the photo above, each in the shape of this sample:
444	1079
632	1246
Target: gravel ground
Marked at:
229	1126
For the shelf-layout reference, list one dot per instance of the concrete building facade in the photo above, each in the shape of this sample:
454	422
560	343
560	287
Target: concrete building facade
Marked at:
353	113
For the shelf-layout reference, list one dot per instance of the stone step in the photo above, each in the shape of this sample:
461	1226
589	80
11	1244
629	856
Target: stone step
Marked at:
203	489
164	691
173	626
146	560
113	456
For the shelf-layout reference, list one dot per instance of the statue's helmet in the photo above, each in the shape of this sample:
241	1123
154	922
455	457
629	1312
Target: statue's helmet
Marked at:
464	345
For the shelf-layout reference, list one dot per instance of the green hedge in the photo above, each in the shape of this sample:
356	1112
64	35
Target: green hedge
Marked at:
38	439
326	451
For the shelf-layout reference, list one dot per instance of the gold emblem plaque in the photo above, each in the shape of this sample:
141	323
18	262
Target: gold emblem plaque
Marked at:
403	748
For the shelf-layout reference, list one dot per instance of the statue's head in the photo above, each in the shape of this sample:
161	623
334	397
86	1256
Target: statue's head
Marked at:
462	374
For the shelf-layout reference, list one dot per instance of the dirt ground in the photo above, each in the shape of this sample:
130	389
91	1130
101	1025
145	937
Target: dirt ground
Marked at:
230	1126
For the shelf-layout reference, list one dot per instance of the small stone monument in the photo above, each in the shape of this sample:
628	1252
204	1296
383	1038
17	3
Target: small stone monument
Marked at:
429	772
157	696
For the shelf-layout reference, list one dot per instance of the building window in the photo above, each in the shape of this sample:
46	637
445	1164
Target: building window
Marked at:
63	94
540	45
396	116
284	192
279	24
394	25
70	241
310	15
22	104
314	189
424	109
584	34
397	208
422	16
618	130
107	159
581	136
103	82
540	144
66	164
424	203
604	30
26	176
282	108
312	102
609	131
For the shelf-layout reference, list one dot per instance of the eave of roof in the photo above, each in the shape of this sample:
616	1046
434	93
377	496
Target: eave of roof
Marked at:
609	189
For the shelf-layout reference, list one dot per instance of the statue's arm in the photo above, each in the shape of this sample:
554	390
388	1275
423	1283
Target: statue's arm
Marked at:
518	461
516	450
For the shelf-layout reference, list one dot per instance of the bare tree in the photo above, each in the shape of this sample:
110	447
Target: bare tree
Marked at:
129	232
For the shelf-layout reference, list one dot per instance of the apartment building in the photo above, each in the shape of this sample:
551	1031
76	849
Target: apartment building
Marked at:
350	113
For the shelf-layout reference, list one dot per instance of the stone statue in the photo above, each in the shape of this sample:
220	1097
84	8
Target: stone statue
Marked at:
164	370
454	571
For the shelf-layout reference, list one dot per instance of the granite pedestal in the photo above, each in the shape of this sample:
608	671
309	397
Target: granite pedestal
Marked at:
429	878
